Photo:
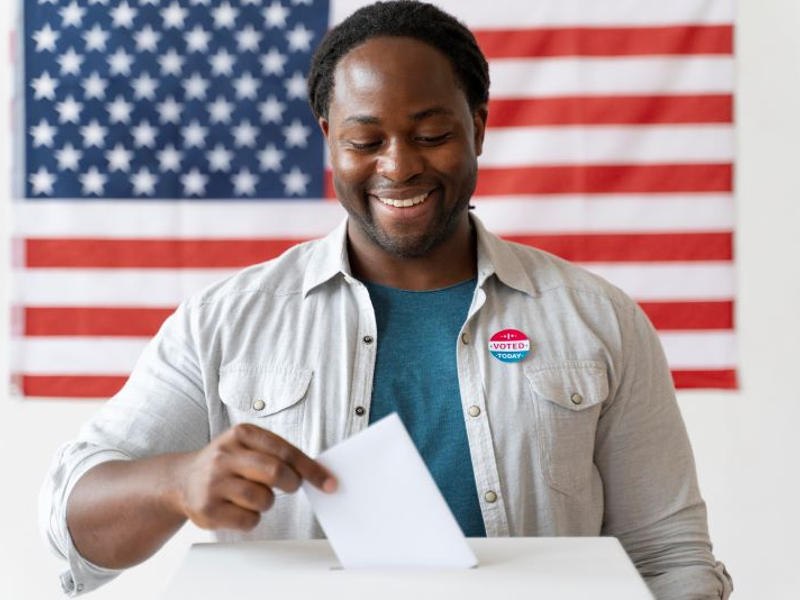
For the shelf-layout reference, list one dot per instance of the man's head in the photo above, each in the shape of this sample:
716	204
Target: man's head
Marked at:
400	91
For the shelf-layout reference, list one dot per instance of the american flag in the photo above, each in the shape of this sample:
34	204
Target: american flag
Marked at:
164	144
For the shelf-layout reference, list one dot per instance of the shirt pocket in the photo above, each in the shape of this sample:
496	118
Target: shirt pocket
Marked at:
272	398
567	398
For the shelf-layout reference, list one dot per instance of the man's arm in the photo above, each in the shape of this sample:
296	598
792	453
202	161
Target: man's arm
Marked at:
652	501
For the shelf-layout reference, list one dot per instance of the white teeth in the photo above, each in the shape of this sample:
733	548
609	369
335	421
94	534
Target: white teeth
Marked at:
404	203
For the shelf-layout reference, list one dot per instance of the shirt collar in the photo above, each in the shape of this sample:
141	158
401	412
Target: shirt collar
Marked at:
495	257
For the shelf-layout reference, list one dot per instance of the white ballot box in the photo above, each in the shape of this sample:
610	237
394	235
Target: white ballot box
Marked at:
544	568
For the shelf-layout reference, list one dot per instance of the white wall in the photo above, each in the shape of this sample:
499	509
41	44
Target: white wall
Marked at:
747	443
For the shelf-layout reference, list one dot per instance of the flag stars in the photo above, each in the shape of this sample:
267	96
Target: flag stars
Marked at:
123	15
219	159
42	182
94	87
120	62
43	134
94	134
171	62
119	159
119	111
72	15
194	135
197	39
222	63
96	39
70	62
144	182
169	111
195	87
46	39
273	61
244	183
194	183
169	159
44	87
271	158
68	158
296	86
93	182
144	135
174	16
144	87
275	15
272	110
296	134
225	16
220	110
248	39
300	38
295	182
69	111
246	87
147	39
245	134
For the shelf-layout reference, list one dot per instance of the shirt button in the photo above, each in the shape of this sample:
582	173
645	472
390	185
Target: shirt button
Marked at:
259	405
474	411
368	339
465	338
576	398
490	497
360	411
79	587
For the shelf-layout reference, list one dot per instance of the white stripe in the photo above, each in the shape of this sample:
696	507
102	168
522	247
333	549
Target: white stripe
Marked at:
76	355
671	281
700	349
524	146
164	288
529	78
503	214
517	14
154	220
117	356
655	213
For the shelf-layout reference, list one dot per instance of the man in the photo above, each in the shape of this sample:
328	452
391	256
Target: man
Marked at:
567	426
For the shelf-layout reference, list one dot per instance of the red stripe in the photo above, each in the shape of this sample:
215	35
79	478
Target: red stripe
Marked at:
72	386
606	41
605	179
673	316
721	380
611	110
105	386
167	254
633	247
94	321
208	254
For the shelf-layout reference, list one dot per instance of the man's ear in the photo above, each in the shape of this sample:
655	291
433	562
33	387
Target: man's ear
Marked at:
479	118
323	124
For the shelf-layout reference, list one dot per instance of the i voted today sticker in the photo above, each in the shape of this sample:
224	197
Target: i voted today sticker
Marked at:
509	345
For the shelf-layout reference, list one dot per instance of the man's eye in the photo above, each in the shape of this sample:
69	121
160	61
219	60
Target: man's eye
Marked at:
433	140
364	145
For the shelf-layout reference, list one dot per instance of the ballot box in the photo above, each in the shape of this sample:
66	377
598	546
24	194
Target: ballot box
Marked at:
595	568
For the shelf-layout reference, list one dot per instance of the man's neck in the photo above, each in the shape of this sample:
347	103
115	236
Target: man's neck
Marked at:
452	261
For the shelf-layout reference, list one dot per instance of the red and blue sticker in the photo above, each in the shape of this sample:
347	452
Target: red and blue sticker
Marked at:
509	345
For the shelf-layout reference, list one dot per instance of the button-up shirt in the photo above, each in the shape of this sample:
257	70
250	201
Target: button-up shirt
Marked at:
582	437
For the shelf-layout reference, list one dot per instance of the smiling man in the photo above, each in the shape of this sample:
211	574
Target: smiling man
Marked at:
537	394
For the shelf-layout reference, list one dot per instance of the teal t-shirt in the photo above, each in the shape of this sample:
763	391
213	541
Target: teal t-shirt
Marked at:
416	376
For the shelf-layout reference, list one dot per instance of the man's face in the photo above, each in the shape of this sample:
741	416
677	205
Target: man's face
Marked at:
403	145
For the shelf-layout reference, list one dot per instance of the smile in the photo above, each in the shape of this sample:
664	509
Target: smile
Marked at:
405	202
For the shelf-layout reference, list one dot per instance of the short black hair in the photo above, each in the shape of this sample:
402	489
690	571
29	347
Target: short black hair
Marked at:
402	18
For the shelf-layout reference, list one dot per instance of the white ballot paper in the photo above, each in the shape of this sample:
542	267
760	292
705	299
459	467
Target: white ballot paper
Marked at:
387	510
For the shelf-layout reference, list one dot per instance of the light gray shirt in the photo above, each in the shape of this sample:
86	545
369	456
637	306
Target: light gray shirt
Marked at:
583	437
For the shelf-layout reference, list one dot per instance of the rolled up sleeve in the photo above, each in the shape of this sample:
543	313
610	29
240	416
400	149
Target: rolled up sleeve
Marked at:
652	499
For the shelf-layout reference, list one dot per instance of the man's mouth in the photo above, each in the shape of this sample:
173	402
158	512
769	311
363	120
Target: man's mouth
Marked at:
403	200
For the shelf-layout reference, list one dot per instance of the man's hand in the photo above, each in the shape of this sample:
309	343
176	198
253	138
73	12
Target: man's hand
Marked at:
230	482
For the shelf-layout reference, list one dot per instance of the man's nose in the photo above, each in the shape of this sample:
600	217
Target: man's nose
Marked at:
400	161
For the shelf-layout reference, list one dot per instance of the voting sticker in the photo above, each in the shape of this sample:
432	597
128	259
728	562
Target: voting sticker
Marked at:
509	345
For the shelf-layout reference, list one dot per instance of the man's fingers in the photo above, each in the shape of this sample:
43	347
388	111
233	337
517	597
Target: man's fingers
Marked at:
231	516
267	469
245	494
263	441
